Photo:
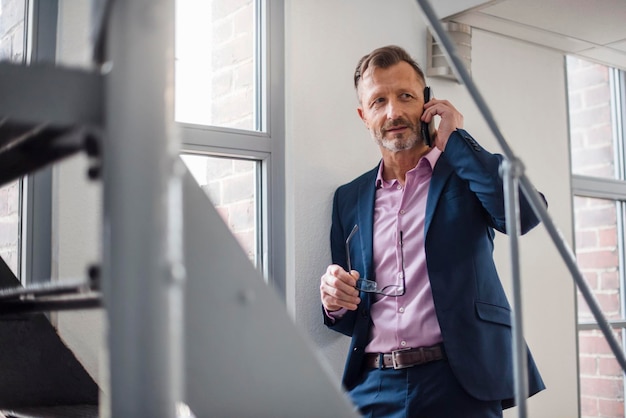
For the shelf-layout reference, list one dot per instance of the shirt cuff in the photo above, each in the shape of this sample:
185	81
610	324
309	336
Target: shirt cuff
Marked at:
334	315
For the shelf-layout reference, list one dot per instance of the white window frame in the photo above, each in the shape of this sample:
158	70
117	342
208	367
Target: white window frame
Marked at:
267	145
611	189
35	195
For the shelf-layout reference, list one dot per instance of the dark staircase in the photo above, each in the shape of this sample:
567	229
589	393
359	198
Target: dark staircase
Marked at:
39	375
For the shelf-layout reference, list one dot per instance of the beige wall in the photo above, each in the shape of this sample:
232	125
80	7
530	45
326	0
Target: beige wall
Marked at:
327	146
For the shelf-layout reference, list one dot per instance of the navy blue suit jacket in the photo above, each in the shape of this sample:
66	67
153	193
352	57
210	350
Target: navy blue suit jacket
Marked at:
465	204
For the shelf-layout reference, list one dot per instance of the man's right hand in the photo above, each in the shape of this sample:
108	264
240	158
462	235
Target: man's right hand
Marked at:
338	289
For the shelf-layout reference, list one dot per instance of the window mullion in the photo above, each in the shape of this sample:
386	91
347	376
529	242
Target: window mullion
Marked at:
617	100
597	187
237	142
620	253
617	97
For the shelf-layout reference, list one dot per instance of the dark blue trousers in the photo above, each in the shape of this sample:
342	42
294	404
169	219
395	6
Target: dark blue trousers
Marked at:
426	391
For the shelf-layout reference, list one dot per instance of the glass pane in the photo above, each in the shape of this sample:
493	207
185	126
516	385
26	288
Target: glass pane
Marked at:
12	36
231	185
216	63
601	378
12	32
597	253
591	131
9	225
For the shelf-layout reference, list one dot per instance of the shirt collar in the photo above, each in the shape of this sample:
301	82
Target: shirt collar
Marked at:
431	156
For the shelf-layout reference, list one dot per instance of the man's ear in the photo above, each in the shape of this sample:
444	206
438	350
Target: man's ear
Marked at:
362	116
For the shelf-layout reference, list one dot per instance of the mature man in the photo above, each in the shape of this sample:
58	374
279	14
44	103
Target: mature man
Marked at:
413	280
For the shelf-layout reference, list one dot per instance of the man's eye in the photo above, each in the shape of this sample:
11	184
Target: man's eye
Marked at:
378	101
406	96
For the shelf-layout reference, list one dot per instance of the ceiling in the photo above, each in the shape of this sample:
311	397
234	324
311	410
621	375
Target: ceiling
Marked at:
593	29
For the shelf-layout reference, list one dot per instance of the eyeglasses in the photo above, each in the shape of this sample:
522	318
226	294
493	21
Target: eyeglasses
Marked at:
370	286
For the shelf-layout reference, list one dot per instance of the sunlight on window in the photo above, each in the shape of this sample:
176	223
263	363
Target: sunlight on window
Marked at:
215	64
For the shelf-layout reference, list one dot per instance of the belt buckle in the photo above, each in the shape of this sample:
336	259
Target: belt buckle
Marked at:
397	366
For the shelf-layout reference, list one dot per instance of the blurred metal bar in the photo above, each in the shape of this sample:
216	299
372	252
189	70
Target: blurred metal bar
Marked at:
47	305
26	147
529	191
511	170
141	271
45	289
226	377
101	13
45	94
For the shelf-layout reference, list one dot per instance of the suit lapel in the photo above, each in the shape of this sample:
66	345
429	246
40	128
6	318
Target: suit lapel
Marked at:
441	172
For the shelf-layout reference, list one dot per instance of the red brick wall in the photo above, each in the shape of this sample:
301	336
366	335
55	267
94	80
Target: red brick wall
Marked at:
11	49
592	151
591	134
232	183
12	30
233	64
231	186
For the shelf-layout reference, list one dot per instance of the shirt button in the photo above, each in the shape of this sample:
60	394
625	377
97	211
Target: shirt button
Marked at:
401	310
399	187
403	343
402	211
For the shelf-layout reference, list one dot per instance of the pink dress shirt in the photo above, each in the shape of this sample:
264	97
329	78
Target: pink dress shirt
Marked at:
409	320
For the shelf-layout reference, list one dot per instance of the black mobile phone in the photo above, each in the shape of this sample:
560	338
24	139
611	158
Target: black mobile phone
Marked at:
428	129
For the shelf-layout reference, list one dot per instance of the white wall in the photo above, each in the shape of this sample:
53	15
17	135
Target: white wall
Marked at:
327	145
326	142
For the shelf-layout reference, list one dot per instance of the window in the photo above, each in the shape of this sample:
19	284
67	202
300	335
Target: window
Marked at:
216	64
232	121
13	49
232	188
27	35
596	102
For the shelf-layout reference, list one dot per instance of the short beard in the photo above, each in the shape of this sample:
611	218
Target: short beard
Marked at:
397	143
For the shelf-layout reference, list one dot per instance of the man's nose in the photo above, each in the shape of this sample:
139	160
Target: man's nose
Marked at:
393	110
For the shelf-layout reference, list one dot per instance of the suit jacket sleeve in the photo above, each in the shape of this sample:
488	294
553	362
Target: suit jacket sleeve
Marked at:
345	324
480	169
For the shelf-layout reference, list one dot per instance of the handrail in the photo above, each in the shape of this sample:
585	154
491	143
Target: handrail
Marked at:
66	286
511	170
91	300
512	174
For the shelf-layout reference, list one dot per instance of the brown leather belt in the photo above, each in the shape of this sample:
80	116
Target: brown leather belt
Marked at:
406	357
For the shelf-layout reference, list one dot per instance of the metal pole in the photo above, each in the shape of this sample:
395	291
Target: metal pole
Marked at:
142	252
511	171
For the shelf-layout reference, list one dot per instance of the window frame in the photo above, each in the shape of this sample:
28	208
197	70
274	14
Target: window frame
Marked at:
36	199
610	189
267	145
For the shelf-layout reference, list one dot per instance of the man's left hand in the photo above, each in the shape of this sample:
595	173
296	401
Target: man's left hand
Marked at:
451	120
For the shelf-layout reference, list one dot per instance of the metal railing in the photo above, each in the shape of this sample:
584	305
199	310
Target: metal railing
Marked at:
513	175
